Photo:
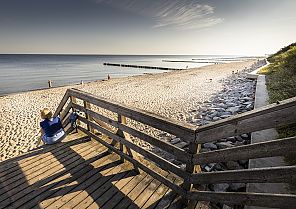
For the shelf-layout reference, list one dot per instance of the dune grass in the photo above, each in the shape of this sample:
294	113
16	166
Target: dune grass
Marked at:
281	84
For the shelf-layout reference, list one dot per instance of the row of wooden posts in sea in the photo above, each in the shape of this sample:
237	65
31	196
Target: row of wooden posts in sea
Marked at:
123	65
140	66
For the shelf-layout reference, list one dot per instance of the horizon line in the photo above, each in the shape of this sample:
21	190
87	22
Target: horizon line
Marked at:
99	54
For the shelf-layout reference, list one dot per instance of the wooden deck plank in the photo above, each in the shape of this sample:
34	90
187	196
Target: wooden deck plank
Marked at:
146	194
158	194
169	197
40	157
134	193
110	184
117	187
66	182
35	154
36	166
18	182
122	193
69	199
79	174
22	196
36	196
97	196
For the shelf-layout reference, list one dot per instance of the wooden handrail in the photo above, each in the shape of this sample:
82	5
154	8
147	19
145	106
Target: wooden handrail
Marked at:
242	198
174	127
180	154
62	104
270	116
278	147
255	175
164	164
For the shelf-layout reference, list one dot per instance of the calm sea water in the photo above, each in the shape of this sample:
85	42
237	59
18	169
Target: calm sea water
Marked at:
29	72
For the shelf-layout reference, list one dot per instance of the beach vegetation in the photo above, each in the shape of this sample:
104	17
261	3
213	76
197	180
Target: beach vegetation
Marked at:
281	84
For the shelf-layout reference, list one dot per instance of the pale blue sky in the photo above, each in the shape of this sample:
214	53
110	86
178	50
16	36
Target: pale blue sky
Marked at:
245	27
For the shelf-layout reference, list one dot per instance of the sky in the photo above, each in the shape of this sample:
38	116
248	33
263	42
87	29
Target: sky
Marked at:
210	27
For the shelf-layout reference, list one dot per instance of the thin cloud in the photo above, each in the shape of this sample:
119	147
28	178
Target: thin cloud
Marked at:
179	14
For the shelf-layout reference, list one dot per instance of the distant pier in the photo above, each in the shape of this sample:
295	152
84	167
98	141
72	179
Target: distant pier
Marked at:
140	66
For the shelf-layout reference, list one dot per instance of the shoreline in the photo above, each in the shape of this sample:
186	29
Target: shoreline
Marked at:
86	82
174	94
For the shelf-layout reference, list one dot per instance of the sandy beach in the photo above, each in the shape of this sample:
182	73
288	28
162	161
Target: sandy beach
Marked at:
174	94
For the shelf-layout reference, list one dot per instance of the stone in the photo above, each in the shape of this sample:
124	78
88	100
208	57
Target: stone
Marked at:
220	187
243	162
198	116
239	143
244	136
225	113
223	145
210	146
204	150
218	167
225	116
230	104
181	145
236	186
232	165
210	167
216	118
226	207
232	139
233	109
175	141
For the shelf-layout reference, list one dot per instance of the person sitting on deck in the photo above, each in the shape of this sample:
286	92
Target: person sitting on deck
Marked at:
51	128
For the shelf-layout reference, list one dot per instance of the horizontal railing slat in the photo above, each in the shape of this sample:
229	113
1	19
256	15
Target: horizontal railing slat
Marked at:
239	198
278	147
164	164
180	129
255	175
270	116
138	164
180	154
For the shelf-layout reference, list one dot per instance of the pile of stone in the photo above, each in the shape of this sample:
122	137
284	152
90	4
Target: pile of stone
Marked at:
237	97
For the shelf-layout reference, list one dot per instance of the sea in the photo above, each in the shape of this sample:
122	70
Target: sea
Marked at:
25	72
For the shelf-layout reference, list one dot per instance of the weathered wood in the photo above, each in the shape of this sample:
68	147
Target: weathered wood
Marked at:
255	175
181	129
62	104
65	111
270	116
254	199
87	105
191	168
278	147
157	176
164	164
180	154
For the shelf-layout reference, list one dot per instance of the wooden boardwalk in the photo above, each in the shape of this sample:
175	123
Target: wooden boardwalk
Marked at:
79	173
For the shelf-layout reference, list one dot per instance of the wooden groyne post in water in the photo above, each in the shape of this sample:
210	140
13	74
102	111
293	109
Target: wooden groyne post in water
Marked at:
140	66
49	83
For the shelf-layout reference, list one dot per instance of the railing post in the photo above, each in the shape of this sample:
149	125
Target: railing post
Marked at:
121	119
191	168
74	101
87	116
126	136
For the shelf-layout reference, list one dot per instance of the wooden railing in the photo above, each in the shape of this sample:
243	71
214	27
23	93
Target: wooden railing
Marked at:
270	116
